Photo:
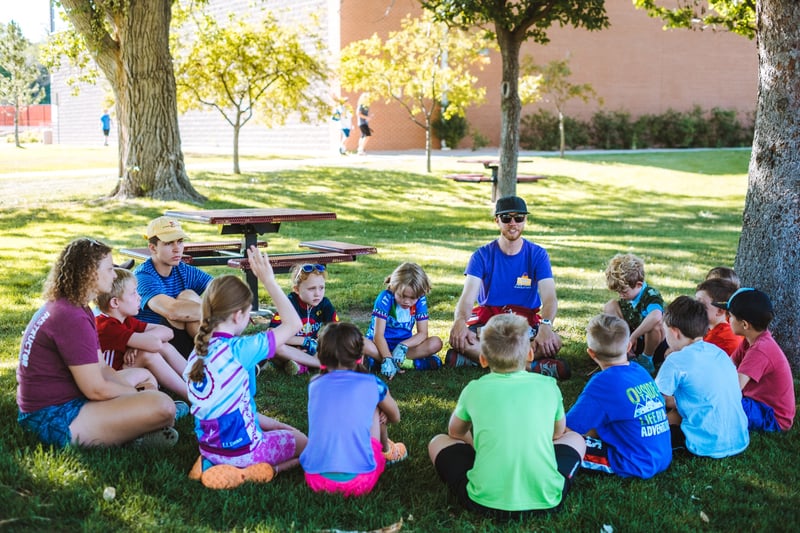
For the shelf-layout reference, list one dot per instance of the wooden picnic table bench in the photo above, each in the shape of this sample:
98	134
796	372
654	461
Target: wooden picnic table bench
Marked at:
198	253
494	166
282	263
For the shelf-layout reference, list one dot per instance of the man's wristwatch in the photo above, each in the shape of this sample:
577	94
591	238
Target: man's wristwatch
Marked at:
546	322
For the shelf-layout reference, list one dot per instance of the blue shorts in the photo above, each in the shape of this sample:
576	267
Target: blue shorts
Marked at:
760	416
51	424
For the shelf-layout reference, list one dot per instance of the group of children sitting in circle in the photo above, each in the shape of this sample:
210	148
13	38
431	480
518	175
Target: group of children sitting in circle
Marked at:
721	374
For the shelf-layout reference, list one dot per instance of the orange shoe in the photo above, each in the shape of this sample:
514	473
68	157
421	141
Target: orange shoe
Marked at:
397	452
197	469
228	476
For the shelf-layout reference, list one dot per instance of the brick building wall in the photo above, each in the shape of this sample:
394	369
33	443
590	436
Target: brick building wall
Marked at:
635	66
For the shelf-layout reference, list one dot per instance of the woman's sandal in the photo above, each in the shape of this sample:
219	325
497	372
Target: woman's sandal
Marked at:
397	452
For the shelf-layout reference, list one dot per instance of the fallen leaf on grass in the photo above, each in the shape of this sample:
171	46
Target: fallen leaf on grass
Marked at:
391	528
704	517
607	528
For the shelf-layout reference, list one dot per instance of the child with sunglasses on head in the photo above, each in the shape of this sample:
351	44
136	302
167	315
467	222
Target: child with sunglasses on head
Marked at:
348	444
390	339
315	310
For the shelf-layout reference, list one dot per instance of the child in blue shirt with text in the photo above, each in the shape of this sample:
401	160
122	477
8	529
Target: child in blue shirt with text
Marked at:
620	411
390	339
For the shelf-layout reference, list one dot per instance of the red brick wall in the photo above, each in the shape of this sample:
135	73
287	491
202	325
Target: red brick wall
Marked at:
33	115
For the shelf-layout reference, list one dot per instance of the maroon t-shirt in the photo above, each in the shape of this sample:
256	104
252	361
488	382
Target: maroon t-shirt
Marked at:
59	335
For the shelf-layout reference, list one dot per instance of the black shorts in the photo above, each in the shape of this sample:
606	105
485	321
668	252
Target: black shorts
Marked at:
453	463
181	340
365	131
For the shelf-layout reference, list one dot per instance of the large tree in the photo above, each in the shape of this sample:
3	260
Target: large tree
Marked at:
244	69
19	73
769	245
513	22
129	42
424	67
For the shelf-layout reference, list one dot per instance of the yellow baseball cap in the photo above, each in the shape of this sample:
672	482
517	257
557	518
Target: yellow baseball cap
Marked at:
166	229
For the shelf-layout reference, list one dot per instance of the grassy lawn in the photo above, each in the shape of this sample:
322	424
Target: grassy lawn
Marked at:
681	212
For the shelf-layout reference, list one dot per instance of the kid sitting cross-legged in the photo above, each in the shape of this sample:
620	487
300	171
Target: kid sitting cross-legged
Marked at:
765	376
700	386
348	409
130	343
497	458
620	411
237	443
391	340
315	310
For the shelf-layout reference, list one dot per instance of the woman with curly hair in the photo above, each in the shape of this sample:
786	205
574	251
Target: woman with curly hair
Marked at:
66	393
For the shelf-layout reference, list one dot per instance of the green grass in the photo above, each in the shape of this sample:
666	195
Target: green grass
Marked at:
680	211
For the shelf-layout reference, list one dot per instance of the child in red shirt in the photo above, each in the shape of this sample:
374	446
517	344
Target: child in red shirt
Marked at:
719	333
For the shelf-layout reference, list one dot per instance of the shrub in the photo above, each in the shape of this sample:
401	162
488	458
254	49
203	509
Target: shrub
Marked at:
612	130
451	130
478	140
539	131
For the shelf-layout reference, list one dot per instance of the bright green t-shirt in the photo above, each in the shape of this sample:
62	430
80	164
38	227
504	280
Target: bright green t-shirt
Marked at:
512	418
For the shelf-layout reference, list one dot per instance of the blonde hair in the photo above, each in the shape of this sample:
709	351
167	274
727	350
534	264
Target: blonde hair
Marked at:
505	341
607	336
409	276
75	271
117	288
624	271
299	275
224	296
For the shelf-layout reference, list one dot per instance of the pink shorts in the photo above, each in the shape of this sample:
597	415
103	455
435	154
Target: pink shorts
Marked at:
276	447
359	485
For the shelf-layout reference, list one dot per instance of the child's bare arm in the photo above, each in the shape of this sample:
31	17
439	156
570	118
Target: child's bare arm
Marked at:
460	429
290	321
145	341
559	428
650	322
389	408
159	330
669	402
380	340
420	336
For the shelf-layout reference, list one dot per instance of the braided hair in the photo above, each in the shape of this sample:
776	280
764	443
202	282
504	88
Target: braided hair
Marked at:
224	296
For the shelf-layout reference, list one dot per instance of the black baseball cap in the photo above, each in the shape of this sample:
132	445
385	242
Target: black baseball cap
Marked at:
751	305
510	204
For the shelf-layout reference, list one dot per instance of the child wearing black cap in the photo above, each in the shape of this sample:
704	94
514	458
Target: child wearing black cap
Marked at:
764	373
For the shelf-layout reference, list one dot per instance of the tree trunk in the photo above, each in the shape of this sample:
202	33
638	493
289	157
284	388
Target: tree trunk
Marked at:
236	128
137	63
428	142
561	139
510	110
769	246
16	124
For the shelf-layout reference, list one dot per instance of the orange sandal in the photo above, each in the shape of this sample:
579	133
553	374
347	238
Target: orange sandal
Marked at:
229	477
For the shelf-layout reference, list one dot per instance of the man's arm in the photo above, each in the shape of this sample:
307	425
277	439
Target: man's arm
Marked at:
460	335
547	343
176	310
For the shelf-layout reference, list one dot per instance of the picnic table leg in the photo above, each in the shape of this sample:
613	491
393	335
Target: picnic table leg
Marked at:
252	282
495	169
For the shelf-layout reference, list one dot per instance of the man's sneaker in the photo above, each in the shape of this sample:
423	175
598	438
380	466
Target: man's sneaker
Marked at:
647	363
388	368
399	353
454	359
397	452
229	476
554	367
160	438
181	409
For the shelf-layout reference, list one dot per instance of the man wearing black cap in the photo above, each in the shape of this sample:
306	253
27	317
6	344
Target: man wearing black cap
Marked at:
508	275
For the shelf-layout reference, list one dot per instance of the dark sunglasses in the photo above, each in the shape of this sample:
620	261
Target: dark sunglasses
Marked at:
308	268
505	219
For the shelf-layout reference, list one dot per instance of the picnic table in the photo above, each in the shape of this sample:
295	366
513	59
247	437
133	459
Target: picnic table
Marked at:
494	166
249	223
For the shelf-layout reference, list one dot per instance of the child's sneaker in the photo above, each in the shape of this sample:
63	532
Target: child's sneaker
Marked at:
181	409
454	359
397	452
408	364
160	438
388	368
554	367
228	476
432	362
301	369
399	353
646	361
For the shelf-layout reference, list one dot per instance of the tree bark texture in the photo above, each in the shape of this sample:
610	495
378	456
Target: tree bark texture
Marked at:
137	63
510	111
768	257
